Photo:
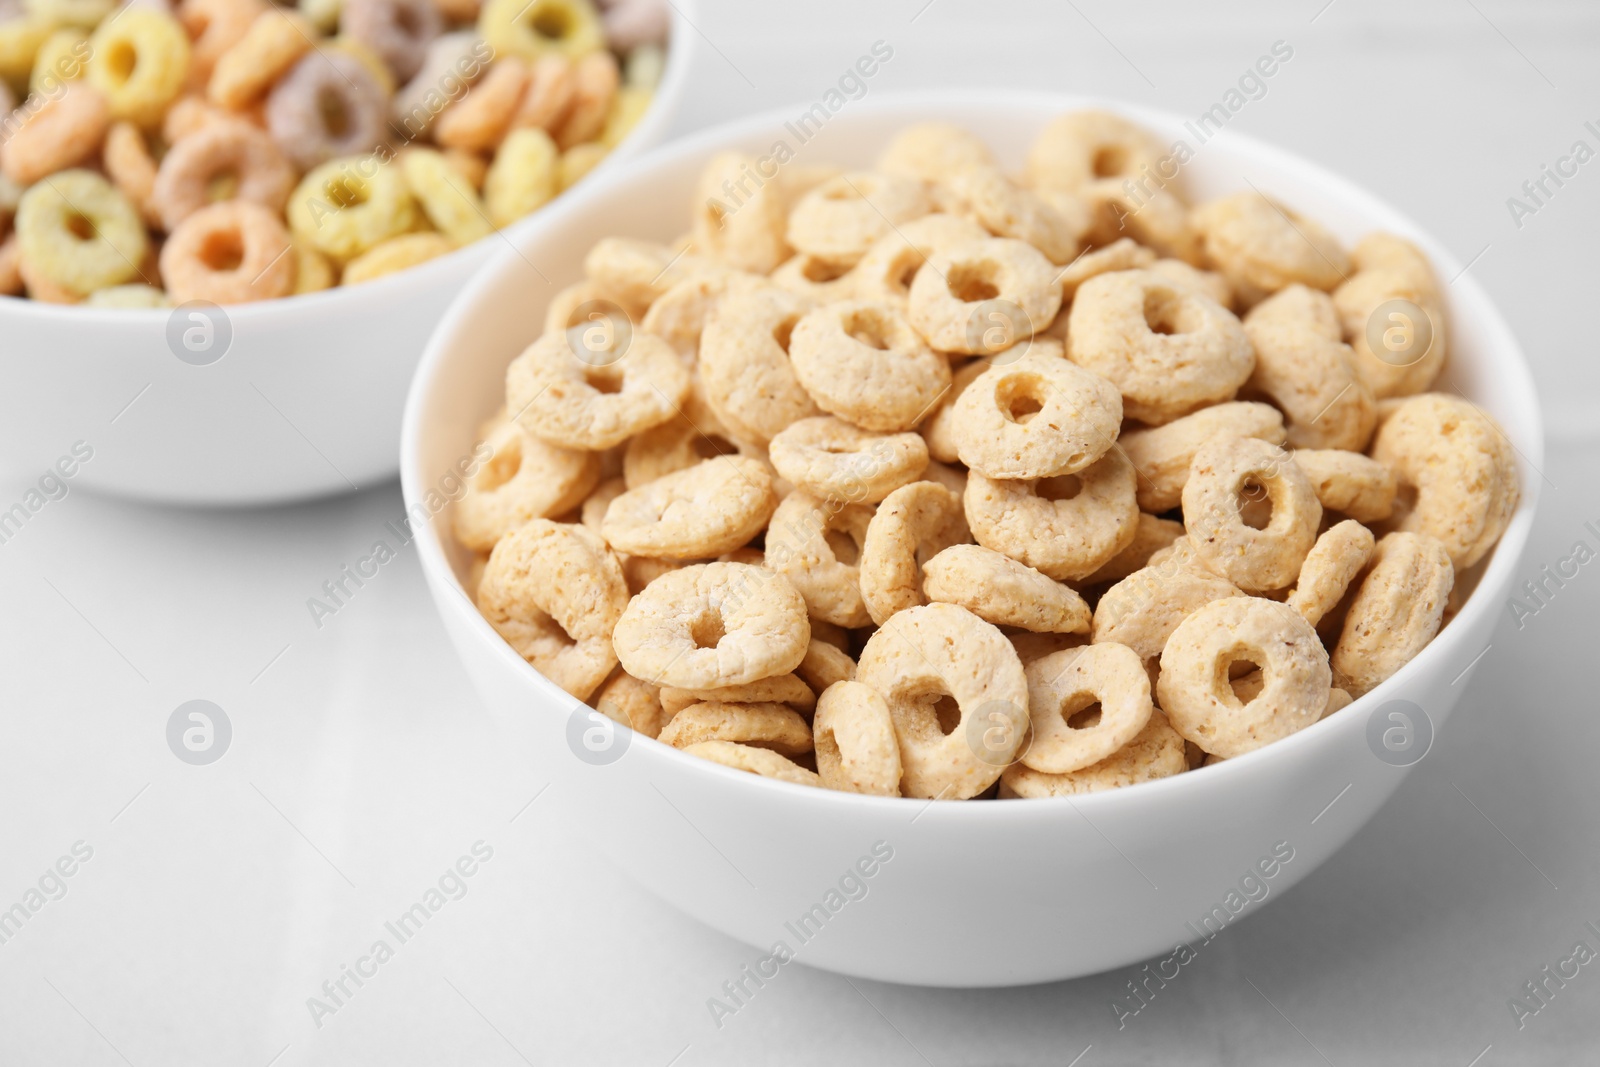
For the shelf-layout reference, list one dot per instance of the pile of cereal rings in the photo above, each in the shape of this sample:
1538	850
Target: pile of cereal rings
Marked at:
232	150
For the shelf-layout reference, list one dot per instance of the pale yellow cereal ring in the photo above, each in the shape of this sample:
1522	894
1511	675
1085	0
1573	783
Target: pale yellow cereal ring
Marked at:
523	479
449	200
1168	348
1037	417
679	315
784	689
950	298
1157	751
715	506
1397	610
139	60
523	177
62	132
129	296
594	87
1159	221
228	253
817	545
130	166
675	445
770	726
1068	527
1255	559
813	279
740	216
1304	368
1459	466
1081	147
888	268
540	28
940	660
323	14
1261	246
577	161
1143	609
1122	254
1000	590
1162	454
61	58
1005	210
555	594
635	704
77	231
866	364
1208	282
746	351
41	288
81	13
187	178
1349	483
470	167
913	524
857	751
396	254
274	42
480	117
563	312
21	37
757	761
712	625
214	26
1330	567
640	272
840	219
1390	268
1193	688
1150	536
834	460
932	151
347	206
628	106
313	271
825	663
589	403
1085	704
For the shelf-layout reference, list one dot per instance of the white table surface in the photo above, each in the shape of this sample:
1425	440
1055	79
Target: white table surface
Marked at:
219	898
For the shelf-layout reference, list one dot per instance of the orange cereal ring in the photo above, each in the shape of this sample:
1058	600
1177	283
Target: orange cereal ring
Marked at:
274	42
551	87
228	253
61	133
185	179
214	26
128	163
479	118
594	86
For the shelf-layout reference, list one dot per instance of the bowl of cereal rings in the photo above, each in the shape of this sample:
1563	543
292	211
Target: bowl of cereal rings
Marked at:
227	226
992	540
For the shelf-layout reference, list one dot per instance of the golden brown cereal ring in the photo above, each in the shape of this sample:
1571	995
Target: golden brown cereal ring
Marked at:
1000	590
594	87
184	181
744	229
675	445
347	206
1037	417
713	507
1462	468
635	704
214	26
1150	536
131	168
949	299
139	61
554	593
932	151
1157	751
843	217
857	751
1005	210
62	132
935	651
1122	254
1256	560
1162	455
746	348
1261	246
758	761
780	689
886	271
274	42
523	479
1194	690
1168	348
1396	611
542	27
1389	268
864	363
1143	609
1081	147
327	105
1349	483
398	31
1208	282
939	428
817	545
1330	567
1304	368
834	460
480	117
395	255
576	403
1108	681
825	663
913	524
547	98
770	726
228	253
1066	527
55	251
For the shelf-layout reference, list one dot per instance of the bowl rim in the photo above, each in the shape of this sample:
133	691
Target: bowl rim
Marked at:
680	56
1516	378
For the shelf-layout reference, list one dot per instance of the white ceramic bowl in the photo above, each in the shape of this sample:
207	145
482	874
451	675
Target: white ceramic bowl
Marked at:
306	400
977	894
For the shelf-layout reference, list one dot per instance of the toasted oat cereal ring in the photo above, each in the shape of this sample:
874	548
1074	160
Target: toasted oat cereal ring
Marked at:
346	206
1168	348
1080	147
771	726
1331	565
479	118
640	272
813	279
567	309
757	761
62	132
1031	646
395	255
524	176
950	299
1150	536
885	273
448	199
228	253
837	221
749	233
932	151
1122	254
77	231
593	511
640	571
1397	610
128	163
1303	366
594	87
1338	700
1162	454
530	31
940	651
1194	690
864	363
939	428
1000	590
546	100
635	704
675	445
747	362
1389	268
913	524
825	663
581	404
678	316
399	31
1155	752
834	460
1349	483
1208	282
140	61
857	751
1143	609
713	507
712	625
327	105
451	63
1461	467
784	689
1085	704
1227	470
817	545
523	479
1067	527
555	593
1006	210
1159	221
274	42
220	152
1037	417
1261	246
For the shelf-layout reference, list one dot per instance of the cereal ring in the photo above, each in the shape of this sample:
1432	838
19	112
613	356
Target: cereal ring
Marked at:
399	31
554	593
1261	246
757	761
1081	147
1066	527
837	221
748	233
913	524
1150	536
927	658
191	168
637	705
815	280
1256	559
594	87
780	689
1461	468
1168	348
679	315
346	206
1122	254
939	428
746	347
1330	567
1391	268
576	163
81	13
551	84
523	479
1194	690
451	63
78	232
327	105
61	58
675	445
395	255
274	42
131	168
139	61
214	26
837	461
1304	368
21	37
228	253
964	281
1159	221
584	403
640	272
1085	704
1000	590
479	118
1162	455
770	726
885	273
1397	610
594	508
932	151
715	506
1208	282
1037	417
1143	609
1005	210
864	363
817	545
543	27
855	741
129	296
449	200
62	132
523	176
313	271
1349	483
825	664
1157	751
712	625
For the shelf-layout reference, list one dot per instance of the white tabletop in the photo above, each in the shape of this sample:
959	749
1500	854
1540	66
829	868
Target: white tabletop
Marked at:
218	899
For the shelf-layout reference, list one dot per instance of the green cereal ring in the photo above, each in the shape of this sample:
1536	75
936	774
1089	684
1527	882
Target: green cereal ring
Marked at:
529	30
139	61
346	206
448	199
78	231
